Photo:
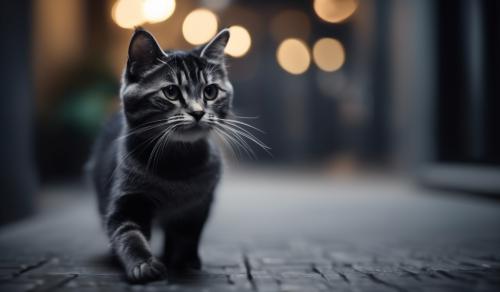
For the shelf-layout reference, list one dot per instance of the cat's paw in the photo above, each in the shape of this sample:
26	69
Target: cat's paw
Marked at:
147	271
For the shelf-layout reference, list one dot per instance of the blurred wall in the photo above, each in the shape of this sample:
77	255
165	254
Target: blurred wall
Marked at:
17	177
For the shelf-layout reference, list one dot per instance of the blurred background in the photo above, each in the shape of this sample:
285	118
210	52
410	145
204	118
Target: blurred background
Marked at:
404	88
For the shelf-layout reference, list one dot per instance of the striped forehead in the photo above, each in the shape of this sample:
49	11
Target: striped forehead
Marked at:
186	71
189	71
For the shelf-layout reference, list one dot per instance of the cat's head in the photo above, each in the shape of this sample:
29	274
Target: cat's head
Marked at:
183	93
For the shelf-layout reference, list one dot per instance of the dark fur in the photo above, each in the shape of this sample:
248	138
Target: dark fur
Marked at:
176	187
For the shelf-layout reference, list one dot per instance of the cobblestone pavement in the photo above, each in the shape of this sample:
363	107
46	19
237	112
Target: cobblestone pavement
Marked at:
280	233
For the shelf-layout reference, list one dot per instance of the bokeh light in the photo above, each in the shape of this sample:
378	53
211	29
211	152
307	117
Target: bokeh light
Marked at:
158	10
199	26
335	10
128	13
132	13
328	54
239	42
293	56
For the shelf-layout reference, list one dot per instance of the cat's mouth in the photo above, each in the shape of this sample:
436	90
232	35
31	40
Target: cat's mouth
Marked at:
191	132
194	127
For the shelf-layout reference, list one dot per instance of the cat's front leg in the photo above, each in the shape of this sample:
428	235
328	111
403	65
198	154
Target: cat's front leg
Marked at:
129	228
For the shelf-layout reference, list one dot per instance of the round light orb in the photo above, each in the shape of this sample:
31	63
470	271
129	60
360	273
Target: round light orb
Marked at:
335	11
328	54
293	56
158	10
199	26
128	13
239	42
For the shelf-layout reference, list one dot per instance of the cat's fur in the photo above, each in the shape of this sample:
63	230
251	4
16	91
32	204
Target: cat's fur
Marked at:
148	169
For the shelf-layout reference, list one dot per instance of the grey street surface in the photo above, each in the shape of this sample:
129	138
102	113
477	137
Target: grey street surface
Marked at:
276	231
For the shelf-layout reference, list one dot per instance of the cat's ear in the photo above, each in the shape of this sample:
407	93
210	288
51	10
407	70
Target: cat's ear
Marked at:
213	51
143	52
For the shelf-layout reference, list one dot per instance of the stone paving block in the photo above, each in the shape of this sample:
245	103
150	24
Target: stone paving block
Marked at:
240	280
97	281
20	284
60	265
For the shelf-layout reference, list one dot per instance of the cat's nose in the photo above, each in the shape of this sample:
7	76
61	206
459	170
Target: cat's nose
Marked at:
197	115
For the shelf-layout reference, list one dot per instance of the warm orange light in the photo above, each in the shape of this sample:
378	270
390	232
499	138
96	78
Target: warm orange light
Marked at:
158	10
199	26
239	42
293	56
335	10
131	13
328	54
128	13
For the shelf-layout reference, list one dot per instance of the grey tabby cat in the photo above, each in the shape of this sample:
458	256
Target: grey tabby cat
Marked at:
154	161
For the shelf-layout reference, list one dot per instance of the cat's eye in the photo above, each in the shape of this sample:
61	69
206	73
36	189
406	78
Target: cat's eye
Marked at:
210	92
172	92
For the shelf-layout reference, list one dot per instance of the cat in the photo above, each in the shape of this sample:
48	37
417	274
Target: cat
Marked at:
154	160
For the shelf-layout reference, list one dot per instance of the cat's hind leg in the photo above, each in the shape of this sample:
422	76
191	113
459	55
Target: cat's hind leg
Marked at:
182	239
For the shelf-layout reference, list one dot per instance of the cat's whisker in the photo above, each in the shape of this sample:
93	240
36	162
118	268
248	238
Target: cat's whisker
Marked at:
124	157
237	123
233	141
243	117
152	125
153	154
241	135
179	119
165	140
237	140
248	136
175	117
225	141
235	127
147	142
137	131
243	144
153	157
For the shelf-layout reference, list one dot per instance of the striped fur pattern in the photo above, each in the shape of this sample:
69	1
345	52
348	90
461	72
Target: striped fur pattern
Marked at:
154	161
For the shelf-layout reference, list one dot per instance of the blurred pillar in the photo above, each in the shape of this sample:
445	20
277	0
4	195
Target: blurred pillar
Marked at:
17	178
378	130
413	41
372	72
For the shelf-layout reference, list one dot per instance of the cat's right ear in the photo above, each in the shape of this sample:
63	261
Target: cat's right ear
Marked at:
143	52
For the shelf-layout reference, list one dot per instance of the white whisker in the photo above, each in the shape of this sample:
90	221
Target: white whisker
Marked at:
238	143
248	136
225	141
229	121
243	144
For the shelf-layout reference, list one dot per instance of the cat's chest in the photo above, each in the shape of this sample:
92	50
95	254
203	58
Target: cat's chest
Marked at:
194	185
173	190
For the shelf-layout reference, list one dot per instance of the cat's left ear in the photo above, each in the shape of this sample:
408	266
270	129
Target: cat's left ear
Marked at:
214	50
